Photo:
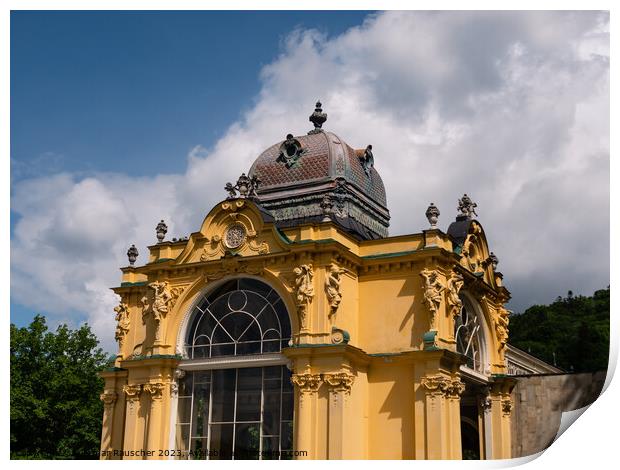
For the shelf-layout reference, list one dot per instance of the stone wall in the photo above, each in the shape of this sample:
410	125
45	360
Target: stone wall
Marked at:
539	401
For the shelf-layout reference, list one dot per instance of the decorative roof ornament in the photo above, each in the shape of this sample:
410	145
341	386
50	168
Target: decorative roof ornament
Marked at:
367	160
246	187
467	207
318	118
132	254
161	231
327	207
494	260
290	151
432	214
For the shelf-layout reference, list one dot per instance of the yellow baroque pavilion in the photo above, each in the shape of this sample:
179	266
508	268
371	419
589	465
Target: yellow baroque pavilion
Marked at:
290	325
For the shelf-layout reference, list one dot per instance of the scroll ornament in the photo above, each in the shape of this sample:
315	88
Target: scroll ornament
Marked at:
304	290
432	294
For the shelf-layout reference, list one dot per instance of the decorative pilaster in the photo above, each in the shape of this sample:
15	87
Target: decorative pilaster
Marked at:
108	397
154	436
340	384
442	416
307	386
133	426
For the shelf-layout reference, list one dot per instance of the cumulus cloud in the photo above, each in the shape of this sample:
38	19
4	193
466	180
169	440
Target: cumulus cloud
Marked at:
510	107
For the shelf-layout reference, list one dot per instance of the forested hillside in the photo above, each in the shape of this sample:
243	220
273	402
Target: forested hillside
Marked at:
574	328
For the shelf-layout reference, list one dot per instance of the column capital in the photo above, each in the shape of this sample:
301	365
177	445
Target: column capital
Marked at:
132	392
108	397
306	382
339	381
155	389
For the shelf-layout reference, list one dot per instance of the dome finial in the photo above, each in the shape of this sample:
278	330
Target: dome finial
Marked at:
318	118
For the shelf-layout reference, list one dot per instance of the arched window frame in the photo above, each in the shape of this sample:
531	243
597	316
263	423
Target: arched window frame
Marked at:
480	337
237	362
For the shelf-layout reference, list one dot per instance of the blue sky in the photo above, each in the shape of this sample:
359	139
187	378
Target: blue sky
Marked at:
120	119
133	92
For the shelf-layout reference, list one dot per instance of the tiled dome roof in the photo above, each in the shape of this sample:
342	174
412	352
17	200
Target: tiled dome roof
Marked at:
297	175
325	157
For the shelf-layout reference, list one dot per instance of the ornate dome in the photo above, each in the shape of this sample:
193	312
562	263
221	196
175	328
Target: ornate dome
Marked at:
318	176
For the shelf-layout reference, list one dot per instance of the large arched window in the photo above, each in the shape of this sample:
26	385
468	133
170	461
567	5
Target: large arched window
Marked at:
469	336
227	406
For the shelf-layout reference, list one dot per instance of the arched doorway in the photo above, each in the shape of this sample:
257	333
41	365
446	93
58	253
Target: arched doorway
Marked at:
235	399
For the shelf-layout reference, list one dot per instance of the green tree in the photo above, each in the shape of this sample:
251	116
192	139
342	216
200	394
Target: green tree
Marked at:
55	408
572	332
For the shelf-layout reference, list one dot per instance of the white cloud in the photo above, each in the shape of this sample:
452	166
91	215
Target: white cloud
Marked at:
512	108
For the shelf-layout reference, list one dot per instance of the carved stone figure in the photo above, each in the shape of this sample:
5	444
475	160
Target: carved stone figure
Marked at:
332	287
122	322
454	285
432	294
245	186
367	160
159	303
501	326
304	290
467	207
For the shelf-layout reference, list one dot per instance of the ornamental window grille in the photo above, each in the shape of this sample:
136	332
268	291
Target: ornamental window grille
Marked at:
236	399
242	316
469	336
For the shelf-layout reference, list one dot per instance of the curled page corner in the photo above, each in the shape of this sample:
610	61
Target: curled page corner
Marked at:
567	419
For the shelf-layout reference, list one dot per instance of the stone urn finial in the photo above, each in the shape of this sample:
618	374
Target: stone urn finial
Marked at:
432	214
161	231
318	118
132	254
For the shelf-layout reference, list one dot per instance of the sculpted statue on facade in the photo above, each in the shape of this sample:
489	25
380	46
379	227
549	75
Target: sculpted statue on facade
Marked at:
501	326
159	303
245	188
332	287
432	294
454	285
122	322
304	290
467	207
